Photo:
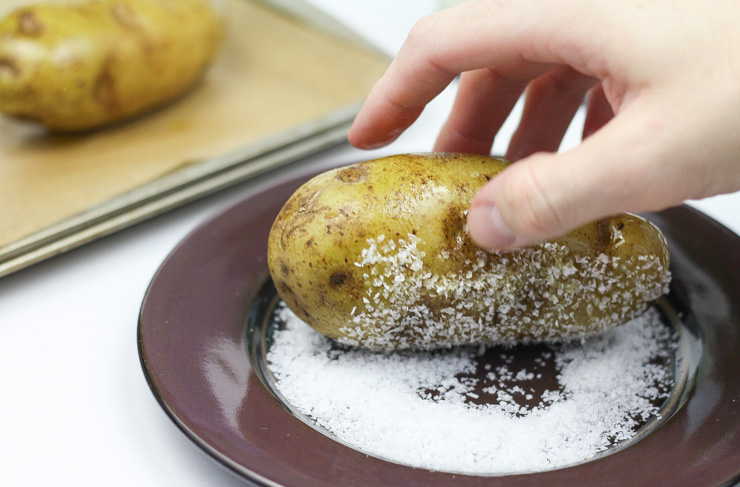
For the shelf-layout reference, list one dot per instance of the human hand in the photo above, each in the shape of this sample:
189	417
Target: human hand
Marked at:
663	112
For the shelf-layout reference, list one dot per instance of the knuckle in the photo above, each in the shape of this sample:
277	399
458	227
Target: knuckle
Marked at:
502	82
421	32
566	83
423	42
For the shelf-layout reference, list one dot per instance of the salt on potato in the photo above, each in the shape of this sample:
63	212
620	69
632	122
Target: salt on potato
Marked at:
489	303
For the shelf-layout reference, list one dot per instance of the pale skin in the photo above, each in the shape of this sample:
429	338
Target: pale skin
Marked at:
662	83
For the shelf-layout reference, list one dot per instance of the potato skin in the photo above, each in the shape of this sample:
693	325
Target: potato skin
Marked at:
377	254
81	65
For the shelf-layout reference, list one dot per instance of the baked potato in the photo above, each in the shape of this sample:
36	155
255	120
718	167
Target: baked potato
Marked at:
80	65
377	255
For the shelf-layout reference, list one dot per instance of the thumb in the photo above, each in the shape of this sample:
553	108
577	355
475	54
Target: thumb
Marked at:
619	168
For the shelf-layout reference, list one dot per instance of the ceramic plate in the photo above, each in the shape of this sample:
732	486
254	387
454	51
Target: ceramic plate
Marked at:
201	343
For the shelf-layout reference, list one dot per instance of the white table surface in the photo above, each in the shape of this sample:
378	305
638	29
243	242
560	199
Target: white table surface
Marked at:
75	408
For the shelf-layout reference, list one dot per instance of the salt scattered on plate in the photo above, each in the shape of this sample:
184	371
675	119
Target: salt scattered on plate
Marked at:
481	411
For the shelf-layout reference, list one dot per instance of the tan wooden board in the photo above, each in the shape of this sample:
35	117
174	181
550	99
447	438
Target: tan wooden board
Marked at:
277	82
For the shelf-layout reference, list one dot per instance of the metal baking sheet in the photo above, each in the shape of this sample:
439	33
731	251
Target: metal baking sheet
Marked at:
287	84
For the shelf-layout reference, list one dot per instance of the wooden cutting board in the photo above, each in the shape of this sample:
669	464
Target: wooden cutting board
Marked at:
279	81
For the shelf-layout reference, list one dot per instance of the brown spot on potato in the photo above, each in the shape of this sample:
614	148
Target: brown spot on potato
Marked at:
105	85
306	316
352	174
297	224
297	214
322	295
127	18
29	25
9	68
453	224
604	235
285	291
338	278
29	117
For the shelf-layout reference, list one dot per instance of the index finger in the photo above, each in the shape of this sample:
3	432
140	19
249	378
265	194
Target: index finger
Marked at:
412	80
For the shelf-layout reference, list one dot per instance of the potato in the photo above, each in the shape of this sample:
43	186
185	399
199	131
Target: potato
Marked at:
81	65
377	254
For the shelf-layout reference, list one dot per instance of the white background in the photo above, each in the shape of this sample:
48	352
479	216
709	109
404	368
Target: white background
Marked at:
75	408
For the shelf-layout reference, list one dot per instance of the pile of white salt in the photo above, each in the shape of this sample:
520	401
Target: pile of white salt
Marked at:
436	410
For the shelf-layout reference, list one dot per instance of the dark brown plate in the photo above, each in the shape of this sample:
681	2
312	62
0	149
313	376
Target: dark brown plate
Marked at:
195	354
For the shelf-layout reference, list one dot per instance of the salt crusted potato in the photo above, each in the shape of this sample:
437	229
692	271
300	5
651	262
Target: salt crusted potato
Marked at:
377	254
83	64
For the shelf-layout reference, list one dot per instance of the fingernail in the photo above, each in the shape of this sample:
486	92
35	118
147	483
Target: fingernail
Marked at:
488	229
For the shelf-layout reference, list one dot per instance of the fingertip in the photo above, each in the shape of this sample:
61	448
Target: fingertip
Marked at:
486	225
380	122
367	140
487	228
357	135
513	210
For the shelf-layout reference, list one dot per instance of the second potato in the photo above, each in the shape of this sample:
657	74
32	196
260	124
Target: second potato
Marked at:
81	65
